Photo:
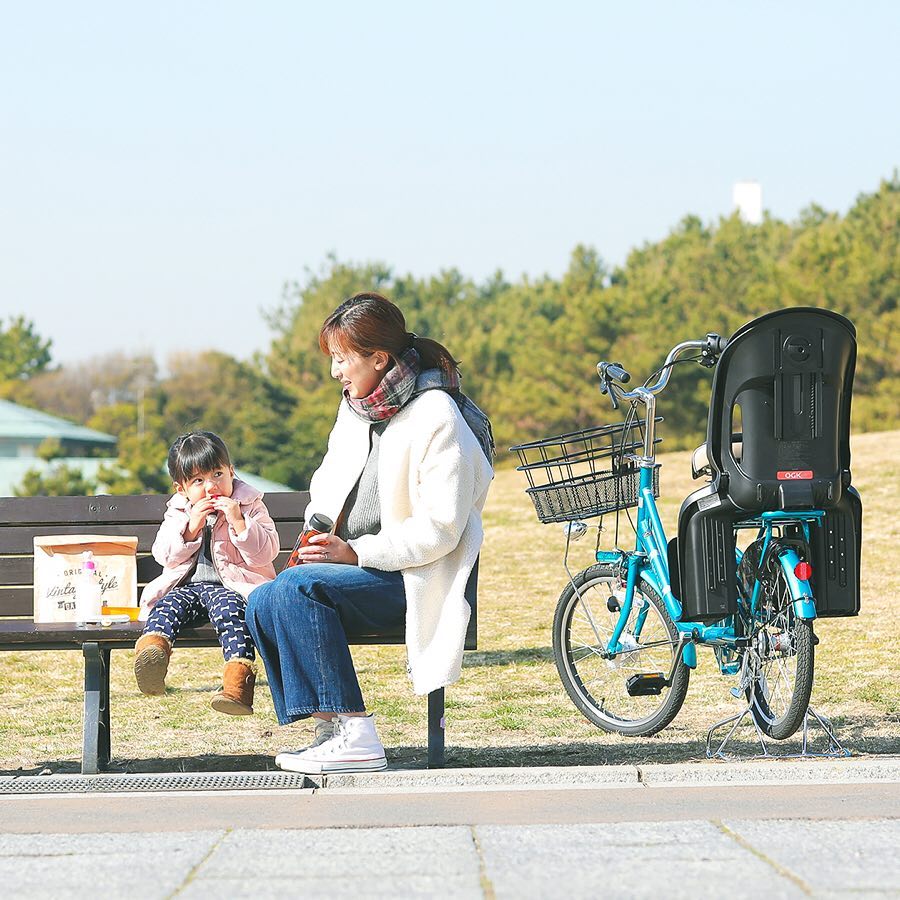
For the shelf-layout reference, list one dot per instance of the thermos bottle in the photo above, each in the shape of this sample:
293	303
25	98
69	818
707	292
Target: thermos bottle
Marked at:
316	524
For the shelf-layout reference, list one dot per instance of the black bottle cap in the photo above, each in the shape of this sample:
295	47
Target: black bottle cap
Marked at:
318	522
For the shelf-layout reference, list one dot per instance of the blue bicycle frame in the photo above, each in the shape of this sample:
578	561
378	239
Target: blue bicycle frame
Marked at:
649	561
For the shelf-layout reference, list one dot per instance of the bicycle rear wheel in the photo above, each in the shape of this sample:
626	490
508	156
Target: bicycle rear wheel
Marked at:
629	692
781	656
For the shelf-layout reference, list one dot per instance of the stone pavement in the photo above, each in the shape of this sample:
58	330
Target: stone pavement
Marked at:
807	828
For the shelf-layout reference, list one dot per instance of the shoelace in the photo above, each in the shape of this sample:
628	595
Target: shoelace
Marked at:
325	731
336	743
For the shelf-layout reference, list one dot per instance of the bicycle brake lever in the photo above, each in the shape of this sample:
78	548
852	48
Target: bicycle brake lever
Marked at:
607	388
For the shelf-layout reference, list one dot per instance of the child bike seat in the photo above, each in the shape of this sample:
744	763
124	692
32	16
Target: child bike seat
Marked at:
785	381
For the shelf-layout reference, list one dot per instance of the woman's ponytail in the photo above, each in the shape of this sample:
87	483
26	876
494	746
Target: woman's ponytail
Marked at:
435	355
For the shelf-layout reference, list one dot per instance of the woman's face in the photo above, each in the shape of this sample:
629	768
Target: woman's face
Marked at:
358	375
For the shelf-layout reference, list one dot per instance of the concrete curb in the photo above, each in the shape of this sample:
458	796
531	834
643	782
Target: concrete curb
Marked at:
763	771
856	770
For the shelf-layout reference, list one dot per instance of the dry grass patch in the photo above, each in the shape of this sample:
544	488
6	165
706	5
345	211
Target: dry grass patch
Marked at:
509	708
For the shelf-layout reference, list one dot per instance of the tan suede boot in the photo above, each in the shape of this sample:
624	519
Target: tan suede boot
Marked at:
236	696
151	662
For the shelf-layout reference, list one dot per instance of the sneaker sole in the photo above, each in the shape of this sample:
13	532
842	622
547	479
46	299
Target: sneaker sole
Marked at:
289	763
150	668
221	703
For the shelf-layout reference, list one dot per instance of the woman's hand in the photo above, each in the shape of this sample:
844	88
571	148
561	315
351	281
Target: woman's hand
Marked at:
328	548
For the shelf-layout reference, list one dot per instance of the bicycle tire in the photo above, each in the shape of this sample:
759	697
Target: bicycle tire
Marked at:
782	658
653	652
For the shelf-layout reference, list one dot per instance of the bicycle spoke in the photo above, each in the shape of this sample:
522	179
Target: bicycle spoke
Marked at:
601	680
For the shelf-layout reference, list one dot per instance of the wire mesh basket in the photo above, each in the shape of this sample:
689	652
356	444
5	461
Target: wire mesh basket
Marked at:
585	473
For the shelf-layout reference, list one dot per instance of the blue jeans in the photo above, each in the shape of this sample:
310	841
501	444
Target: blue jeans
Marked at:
300	622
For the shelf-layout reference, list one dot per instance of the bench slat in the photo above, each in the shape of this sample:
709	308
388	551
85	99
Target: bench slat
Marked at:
142	508
20	539
17	601
32	510
23	634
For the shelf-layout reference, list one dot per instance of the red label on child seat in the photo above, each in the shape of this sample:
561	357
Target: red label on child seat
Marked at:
796	475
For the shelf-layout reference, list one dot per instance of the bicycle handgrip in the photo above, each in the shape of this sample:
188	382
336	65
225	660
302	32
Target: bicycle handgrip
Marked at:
614	371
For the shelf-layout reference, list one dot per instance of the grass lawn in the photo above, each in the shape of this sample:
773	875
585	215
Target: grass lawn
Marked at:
509	708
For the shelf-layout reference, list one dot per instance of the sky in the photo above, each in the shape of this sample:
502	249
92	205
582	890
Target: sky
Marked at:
166	168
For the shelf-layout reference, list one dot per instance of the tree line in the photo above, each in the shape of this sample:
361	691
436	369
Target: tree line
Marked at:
527	348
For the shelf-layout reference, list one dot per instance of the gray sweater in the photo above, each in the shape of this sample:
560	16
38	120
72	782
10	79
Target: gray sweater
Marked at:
362	511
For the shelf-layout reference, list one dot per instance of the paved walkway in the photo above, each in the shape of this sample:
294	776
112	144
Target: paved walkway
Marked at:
807	828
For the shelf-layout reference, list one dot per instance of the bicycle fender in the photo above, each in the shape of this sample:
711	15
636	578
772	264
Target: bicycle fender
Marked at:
649	576
801	590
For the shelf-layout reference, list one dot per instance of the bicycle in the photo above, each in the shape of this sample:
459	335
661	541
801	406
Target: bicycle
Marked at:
777	459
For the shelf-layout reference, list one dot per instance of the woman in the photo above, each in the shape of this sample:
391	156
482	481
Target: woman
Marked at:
405	478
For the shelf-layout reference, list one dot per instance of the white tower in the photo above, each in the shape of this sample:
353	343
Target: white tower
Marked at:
747	198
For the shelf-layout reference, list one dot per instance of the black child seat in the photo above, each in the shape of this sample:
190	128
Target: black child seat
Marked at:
778	439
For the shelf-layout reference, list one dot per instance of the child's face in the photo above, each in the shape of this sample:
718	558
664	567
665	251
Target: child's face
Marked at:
217	483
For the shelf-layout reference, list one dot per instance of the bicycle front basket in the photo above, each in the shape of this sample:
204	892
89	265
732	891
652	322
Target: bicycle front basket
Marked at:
585	473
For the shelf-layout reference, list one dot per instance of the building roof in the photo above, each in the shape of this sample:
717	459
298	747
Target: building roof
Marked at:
262	484
32	424
13	469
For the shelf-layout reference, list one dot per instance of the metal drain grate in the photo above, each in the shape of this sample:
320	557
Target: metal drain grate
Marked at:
178	781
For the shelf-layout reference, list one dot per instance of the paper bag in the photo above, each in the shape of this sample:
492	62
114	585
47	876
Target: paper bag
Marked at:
57	567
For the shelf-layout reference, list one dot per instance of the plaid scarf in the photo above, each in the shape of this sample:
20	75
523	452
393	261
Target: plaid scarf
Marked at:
393	391
396	389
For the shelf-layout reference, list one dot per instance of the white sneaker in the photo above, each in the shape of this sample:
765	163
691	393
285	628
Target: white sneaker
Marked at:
326	729
354	748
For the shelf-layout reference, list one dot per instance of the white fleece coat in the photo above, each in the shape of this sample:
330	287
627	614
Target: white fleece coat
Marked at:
433	479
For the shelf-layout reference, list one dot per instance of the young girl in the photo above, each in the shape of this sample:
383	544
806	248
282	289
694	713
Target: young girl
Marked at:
216	543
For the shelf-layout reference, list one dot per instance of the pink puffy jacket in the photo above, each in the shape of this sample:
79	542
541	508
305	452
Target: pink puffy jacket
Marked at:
242	560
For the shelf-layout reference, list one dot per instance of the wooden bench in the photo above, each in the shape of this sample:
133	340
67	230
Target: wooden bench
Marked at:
23	518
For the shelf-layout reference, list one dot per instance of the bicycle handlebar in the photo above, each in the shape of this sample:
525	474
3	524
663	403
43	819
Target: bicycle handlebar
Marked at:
610	373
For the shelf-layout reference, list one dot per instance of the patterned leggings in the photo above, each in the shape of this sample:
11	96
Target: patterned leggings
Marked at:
198	602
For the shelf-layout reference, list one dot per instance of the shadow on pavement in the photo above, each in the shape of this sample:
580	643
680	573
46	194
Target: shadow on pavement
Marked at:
635	753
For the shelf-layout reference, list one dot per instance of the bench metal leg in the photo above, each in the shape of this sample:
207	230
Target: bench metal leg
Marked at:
95	751
436	729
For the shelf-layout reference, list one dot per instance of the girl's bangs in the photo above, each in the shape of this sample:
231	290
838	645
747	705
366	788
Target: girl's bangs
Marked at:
196	457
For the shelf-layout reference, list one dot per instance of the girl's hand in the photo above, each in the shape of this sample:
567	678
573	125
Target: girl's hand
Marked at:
199	511
231	509
328	548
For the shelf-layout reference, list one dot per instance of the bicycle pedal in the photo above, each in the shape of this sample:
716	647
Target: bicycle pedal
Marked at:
646	684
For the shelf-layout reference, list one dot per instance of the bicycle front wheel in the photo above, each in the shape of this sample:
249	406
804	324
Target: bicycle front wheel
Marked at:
628	692
780	658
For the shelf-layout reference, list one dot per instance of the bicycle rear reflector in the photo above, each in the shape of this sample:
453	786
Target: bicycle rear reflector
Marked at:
646	684
803	571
